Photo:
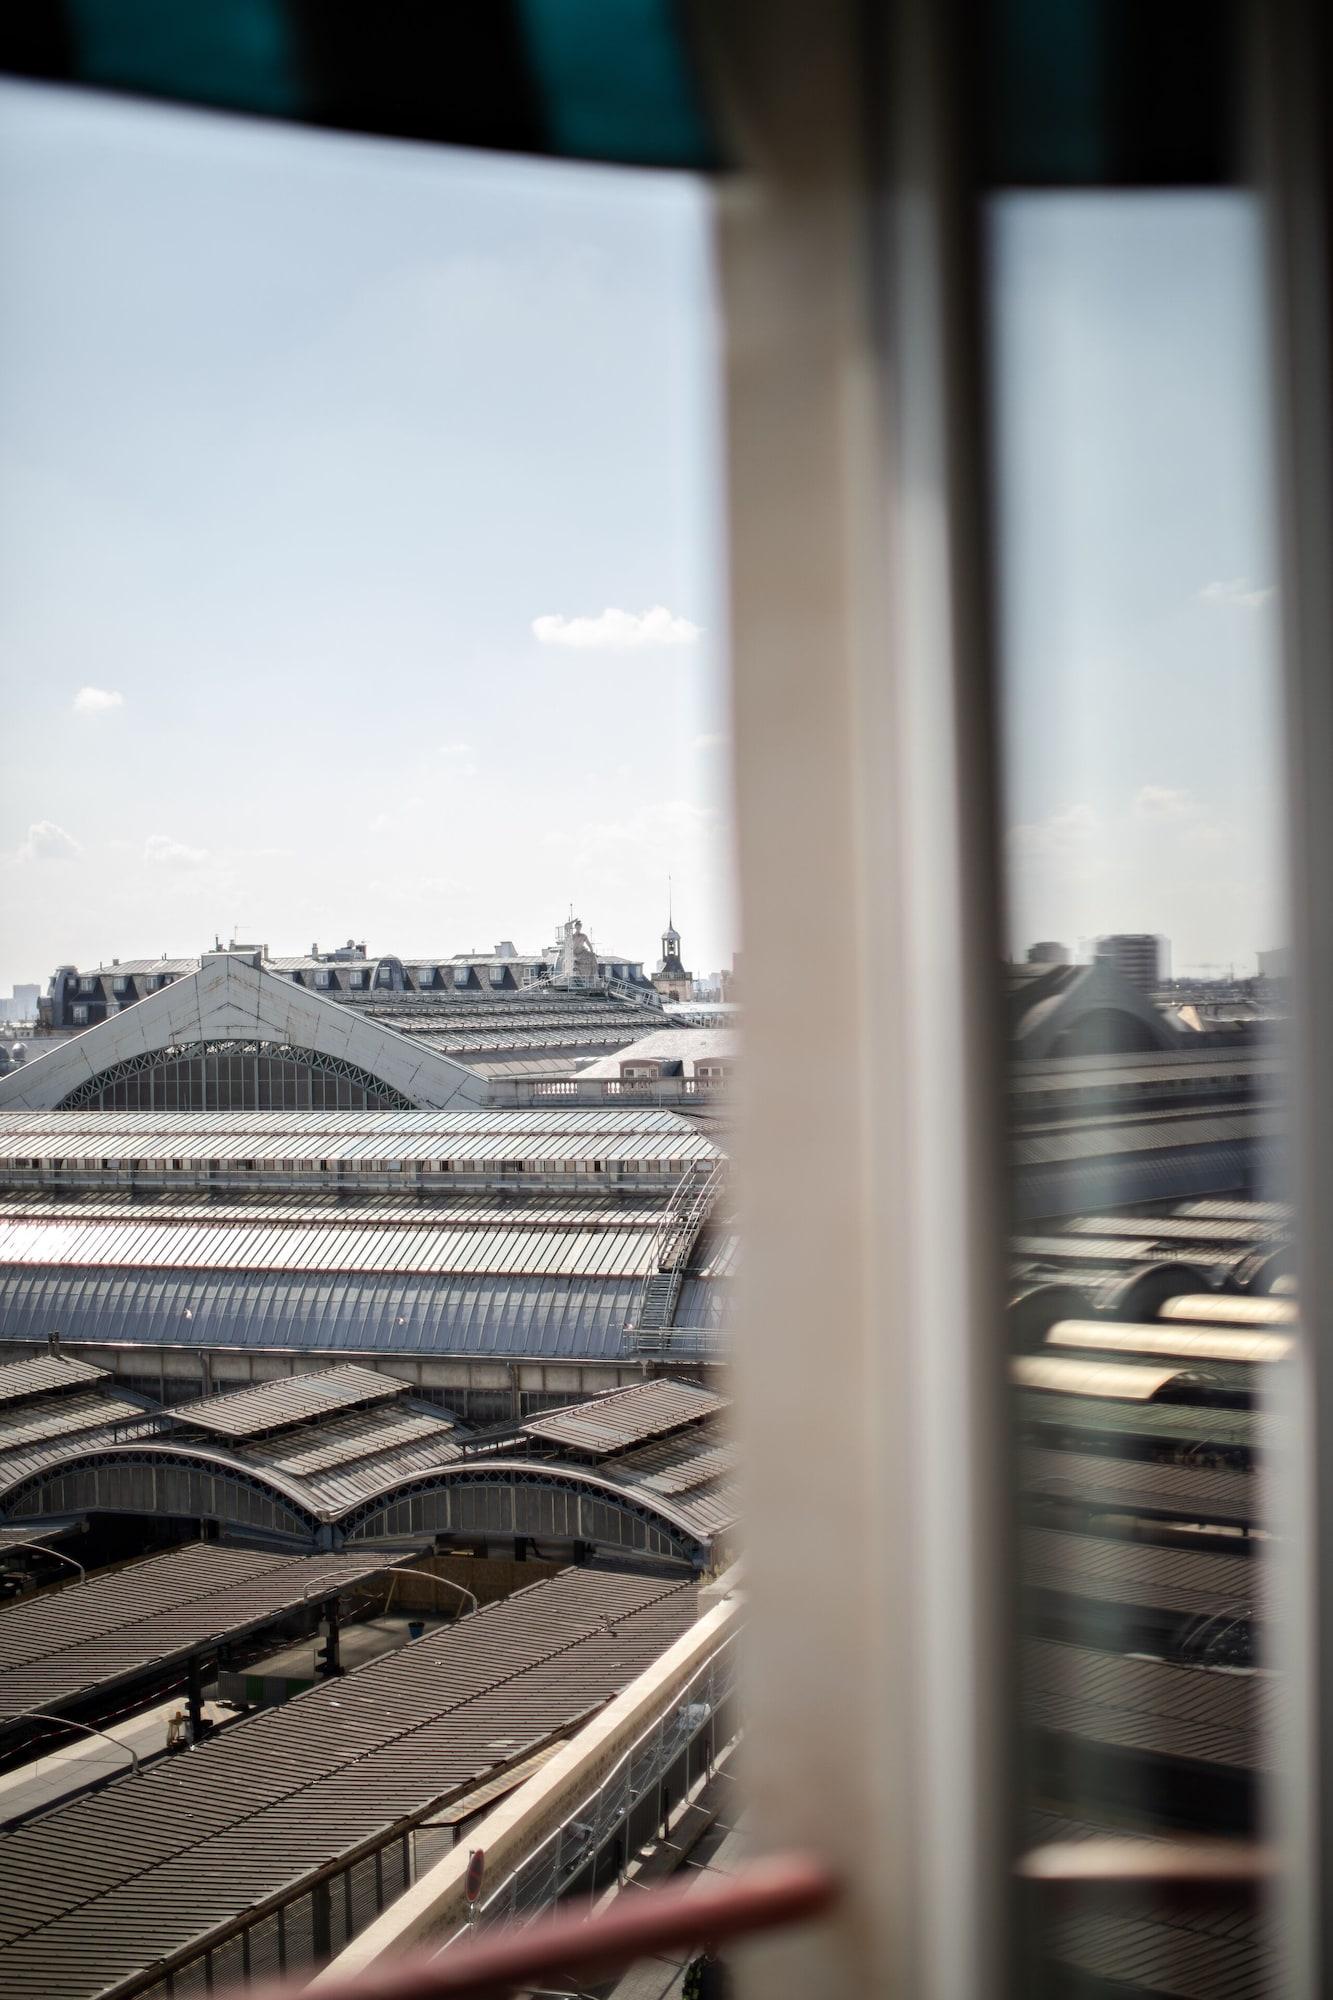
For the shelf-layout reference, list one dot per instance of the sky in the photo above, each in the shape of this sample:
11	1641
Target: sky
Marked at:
1138	604
361	566
359	545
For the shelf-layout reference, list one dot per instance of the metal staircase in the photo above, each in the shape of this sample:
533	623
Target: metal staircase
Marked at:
646	997
685	1215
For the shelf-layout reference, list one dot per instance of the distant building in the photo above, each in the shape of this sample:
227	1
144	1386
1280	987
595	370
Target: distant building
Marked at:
1139	957
701	1057
1049	953
1275	964
1084	1010
21	1004
79	997
671	979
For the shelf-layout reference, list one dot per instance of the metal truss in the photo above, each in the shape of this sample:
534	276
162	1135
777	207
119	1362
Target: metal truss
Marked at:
93	1094
27	1498
646	1522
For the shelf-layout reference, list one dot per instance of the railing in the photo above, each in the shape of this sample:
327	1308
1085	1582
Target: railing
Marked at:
594	1845
519	1091
677	1233
567	1949
681	1343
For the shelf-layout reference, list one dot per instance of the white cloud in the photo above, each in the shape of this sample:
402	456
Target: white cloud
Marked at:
1067	831
716	741
96	701
1238	590
459	760
619	631
397	820
45	841
165	852
1162	802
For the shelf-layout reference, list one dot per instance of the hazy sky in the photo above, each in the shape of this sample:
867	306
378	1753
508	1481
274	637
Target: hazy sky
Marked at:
300	436
322	461
1140	614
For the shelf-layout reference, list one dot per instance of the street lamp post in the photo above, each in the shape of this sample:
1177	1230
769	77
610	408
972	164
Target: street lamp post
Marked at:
59	1554
431	1577
428	1574
67	1722
330	1664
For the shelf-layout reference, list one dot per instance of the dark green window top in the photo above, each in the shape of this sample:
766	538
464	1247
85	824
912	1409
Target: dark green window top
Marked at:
611	80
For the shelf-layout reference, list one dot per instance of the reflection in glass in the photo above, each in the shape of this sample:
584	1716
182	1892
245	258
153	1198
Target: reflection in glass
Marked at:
1152	1259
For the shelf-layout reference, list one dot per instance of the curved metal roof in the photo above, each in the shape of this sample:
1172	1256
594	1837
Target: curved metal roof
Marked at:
1118	1381
329	1312
1162	1338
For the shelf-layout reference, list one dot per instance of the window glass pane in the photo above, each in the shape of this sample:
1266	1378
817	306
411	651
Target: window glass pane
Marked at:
1152	1256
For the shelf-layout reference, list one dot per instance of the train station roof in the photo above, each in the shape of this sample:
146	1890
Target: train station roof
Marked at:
147	1871
152	1616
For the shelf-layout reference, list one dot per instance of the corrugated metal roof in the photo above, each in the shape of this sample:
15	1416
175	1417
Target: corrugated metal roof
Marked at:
93	1635
49	1418
43	1374
131	968
1224	1308
612	1423
1190	1713
679	1464
99	1890
1178	1228
1177	1128
1038	1073
1068	1375
1168	1952
1189	1342
553	1317
625	1148
445	1205
339	1461
1239	1431
1114	1250
1117	1570
271	1406
245	1245
344	1440
1190	1493
37	1131
1278	1212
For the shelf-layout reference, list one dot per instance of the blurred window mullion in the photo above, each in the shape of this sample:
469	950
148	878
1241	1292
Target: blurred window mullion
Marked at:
870	1374
1294	67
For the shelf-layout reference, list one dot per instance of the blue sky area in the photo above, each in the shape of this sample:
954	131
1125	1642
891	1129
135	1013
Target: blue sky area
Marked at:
1138	601
299	435
322	460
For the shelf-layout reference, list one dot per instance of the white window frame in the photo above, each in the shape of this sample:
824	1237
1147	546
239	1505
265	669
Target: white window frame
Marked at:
878	1720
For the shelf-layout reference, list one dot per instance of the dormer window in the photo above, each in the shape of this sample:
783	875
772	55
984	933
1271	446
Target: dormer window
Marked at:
324	977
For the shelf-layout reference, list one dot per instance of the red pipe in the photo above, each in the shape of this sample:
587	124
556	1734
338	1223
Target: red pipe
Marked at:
785	1889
